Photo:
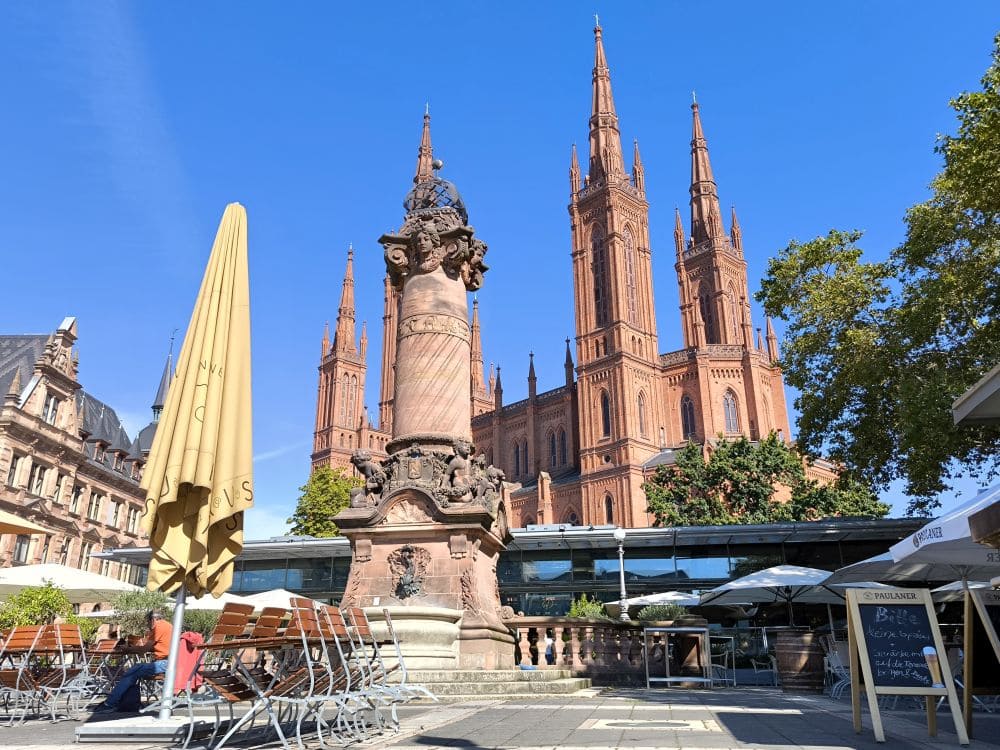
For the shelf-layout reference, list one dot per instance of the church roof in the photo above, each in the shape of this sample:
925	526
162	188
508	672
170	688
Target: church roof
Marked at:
666	457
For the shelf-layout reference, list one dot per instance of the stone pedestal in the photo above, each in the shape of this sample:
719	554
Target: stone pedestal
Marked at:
428	636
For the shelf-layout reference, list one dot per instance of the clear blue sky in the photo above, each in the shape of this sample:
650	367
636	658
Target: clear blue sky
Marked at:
128	127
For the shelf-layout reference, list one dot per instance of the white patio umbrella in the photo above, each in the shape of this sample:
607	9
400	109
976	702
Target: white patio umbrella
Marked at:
954	591
883	568
272	598
212	603
81	586
782	583
682	598
948	540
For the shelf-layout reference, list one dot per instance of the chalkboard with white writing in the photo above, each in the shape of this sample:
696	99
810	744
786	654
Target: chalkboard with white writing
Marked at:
900	641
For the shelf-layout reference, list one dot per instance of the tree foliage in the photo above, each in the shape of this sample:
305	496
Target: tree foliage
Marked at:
737	485
327	492
34	605
132	607
880	350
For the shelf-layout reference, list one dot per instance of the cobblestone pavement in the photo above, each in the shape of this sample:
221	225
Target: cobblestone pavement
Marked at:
749	719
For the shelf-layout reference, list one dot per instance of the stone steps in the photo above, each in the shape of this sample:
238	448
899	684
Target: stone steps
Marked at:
471	684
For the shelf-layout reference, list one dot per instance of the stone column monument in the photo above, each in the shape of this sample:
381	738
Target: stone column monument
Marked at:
428	526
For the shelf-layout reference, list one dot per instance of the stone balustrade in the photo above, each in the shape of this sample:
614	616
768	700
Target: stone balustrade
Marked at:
606	651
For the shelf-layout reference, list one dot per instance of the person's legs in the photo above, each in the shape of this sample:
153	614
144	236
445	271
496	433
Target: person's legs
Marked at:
130	678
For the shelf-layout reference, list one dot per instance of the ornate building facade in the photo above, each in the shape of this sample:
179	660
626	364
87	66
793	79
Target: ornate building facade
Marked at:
66	461
581	452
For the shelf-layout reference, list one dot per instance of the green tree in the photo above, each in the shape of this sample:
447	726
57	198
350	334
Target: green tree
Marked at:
327	492
737	485
34	605
879	351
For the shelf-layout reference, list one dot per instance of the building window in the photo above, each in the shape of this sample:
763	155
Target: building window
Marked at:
640	405
553	454
705	302
115	514
730	412
36	482
352	403
687	418
734	321
527	521
562	447
50	410
64	552
21	545
105	567
119	461
630	293
45	548
94	506
605	414
86	550
74	503
57	490
517	460
609	510
132	520
15	467
600	271
572	519
524	457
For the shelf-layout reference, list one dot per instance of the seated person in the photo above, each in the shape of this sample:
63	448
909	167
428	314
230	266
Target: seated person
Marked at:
157	642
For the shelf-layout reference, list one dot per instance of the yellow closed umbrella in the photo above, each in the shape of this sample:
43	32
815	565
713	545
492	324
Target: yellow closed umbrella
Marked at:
199	477
11	524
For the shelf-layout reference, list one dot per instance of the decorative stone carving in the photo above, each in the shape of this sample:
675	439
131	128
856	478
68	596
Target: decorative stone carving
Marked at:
470	599
408	566
350	598
371	492
455	482
407	512
431	238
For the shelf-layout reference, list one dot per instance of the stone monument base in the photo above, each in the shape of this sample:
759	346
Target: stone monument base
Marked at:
428	636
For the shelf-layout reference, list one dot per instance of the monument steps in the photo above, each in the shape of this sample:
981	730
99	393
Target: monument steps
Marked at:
470	684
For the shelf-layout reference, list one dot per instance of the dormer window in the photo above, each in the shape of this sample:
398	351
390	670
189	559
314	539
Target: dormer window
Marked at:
100	452
119	461
50	410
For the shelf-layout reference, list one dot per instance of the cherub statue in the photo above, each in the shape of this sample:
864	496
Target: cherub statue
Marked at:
371	491
456	476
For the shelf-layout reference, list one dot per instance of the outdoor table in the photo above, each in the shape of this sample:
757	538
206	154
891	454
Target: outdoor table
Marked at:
704	654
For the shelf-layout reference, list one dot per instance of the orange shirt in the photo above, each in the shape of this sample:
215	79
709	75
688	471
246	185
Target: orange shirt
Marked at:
159	638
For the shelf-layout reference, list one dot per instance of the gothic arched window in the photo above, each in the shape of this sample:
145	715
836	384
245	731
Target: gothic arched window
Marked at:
687	418
352	402
526	521
605	414
705	303
599	268
640	407
630	291
517	460
562	447
345	386
730	412
734	318
552	450
609	510
571	518
524	457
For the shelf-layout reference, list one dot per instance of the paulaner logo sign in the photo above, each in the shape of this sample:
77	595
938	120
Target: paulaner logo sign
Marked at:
928	534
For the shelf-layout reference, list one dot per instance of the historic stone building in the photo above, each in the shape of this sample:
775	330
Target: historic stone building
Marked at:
66	462
580	452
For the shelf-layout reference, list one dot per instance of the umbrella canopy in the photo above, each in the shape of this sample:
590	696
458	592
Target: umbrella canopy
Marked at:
782	583
11	524
81	586
199	478
272	598
948	539
883	568
955	591
215	603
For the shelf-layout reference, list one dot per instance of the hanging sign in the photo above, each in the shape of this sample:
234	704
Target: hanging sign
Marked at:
896	649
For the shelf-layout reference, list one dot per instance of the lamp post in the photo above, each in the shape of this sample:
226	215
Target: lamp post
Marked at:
623	605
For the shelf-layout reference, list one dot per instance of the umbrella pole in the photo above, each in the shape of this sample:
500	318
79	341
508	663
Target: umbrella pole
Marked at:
175	641
829	613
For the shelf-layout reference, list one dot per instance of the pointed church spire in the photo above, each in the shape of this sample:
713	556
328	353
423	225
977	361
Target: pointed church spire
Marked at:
568	364
343	338
364	338
574	173
678	234
493	378
477	350
14	392
638	172
706	222
532	380
425	154
324	347
160	400
736	233
605	140
498	392
760	341
772	342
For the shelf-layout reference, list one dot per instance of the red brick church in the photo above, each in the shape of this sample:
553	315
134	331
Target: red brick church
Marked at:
580	452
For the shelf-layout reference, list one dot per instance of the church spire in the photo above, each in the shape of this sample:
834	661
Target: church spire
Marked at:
498	392
736	233
605	140
343	339
477	350
324	347
638	172
364	338
706	222
568	364
678	234
532	380
161	392
425	154
574	173
772	342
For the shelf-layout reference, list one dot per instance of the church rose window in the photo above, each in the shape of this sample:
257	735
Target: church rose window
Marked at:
730	412
687	417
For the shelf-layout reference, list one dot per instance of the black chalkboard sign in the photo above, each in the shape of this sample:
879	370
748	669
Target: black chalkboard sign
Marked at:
985	675
900	644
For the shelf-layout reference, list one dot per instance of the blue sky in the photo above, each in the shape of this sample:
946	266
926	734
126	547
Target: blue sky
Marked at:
128	127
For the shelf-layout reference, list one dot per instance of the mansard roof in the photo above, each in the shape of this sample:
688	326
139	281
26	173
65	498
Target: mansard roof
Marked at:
19	352
102	422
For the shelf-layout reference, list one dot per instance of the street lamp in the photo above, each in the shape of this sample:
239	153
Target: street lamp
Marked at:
623	605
